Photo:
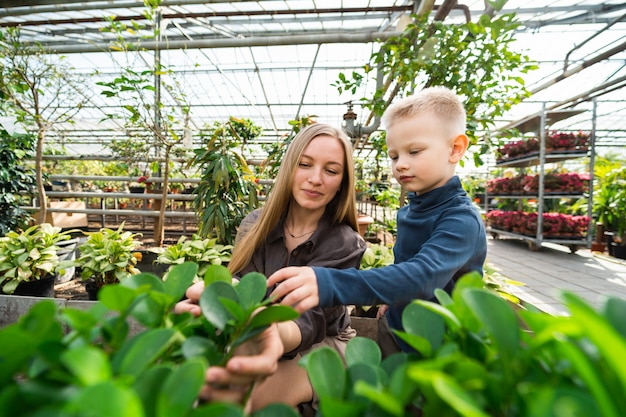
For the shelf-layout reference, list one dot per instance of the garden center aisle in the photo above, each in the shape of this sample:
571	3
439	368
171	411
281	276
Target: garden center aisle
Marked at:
551	270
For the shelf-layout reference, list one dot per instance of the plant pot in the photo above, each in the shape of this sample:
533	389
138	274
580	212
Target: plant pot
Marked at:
43	287
597	246
92	289
67	252
619	251
146	263
137	190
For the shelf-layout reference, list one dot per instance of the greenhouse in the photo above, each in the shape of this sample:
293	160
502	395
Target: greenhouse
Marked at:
312	208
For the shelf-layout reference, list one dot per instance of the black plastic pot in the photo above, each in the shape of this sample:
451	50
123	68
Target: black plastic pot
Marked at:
619	251
137	190
43	287
92	289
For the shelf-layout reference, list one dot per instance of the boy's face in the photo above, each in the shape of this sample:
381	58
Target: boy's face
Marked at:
421	152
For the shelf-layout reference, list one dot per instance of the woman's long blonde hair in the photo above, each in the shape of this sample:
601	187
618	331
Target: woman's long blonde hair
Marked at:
342	207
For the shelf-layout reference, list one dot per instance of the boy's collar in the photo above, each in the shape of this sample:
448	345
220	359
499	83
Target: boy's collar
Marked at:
433	197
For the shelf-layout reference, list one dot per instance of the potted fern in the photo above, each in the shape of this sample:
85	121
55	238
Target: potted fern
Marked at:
106	257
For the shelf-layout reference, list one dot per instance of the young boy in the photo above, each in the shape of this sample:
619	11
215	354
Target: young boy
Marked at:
441	235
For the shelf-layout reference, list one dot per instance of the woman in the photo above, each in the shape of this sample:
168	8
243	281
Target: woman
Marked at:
309	218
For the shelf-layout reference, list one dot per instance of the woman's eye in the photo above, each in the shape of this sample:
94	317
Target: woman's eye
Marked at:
393	158
304	165
414	152
331	172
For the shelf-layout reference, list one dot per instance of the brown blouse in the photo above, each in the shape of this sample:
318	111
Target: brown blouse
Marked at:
332	246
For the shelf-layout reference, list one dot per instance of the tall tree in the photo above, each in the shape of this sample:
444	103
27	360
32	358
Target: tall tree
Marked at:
40	90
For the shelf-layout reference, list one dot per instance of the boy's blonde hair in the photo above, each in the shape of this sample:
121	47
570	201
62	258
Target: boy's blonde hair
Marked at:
440	101
342	208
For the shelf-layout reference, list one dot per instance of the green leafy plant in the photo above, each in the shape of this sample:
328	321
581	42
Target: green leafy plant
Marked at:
15	177
204	252
227	191
101	367
106	256
377	256
478	355
29	255
609	203
475	59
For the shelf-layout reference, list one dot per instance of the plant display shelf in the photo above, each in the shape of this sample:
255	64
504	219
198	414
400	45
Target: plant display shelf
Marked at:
534	159
540	123
572	244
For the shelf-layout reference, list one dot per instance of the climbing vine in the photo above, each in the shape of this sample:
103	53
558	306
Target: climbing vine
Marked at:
475	59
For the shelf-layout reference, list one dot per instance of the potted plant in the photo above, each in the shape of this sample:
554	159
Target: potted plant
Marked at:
106	257
29	259
205	252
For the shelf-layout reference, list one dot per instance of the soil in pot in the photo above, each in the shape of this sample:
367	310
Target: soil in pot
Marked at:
43	287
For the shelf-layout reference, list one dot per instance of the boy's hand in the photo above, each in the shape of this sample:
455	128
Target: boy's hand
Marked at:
296	287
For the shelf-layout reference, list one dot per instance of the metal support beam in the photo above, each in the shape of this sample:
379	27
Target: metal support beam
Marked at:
26	7
240	42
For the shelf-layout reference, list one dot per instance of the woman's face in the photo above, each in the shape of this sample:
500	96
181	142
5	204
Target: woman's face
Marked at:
319	174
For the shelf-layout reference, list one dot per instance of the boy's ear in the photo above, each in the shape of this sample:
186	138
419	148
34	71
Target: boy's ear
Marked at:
459	146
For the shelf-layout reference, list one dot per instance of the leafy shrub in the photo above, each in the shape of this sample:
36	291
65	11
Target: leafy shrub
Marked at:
100	369
477	355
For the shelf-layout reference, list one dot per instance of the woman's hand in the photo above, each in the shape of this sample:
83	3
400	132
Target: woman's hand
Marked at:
232	382
190	305
296	287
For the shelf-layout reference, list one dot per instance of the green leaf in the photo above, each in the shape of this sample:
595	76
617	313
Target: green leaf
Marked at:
218	410
212	308
418	343
497	317
326	372
336	407
451	321
448	389
116	297
197	346
420	321
362	350
251	290
615	311
146	280
276	410
381	398
181	390
107	399
142	350
273	314
179	278
88	364
216	273
608	341
16	350
148	386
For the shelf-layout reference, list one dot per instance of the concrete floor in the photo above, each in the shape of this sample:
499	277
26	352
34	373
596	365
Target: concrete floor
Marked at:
551	270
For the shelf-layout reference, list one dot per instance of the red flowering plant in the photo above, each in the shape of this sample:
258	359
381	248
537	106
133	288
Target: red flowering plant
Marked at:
517	148
567	141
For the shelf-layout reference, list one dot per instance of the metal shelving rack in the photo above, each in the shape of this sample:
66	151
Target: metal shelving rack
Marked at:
539	123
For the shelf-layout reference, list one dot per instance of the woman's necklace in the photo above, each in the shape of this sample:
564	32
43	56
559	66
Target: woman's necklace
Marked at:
299	236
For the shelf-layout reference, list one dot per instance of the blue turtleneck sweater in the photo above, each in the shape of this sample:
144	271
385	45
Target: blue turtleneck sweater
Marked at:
441	237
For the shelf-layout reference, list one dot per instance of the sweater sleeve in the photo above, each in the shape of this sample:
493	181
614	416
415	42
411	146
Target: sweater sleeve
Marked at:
450	247
318	322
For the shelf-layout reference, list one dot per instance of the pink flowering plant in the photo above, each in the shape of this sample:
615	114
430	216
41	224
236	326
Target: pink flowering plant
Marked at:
555	225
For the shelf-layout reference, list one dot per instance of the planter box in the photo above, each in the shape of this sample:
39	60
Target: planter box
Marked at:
12	307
